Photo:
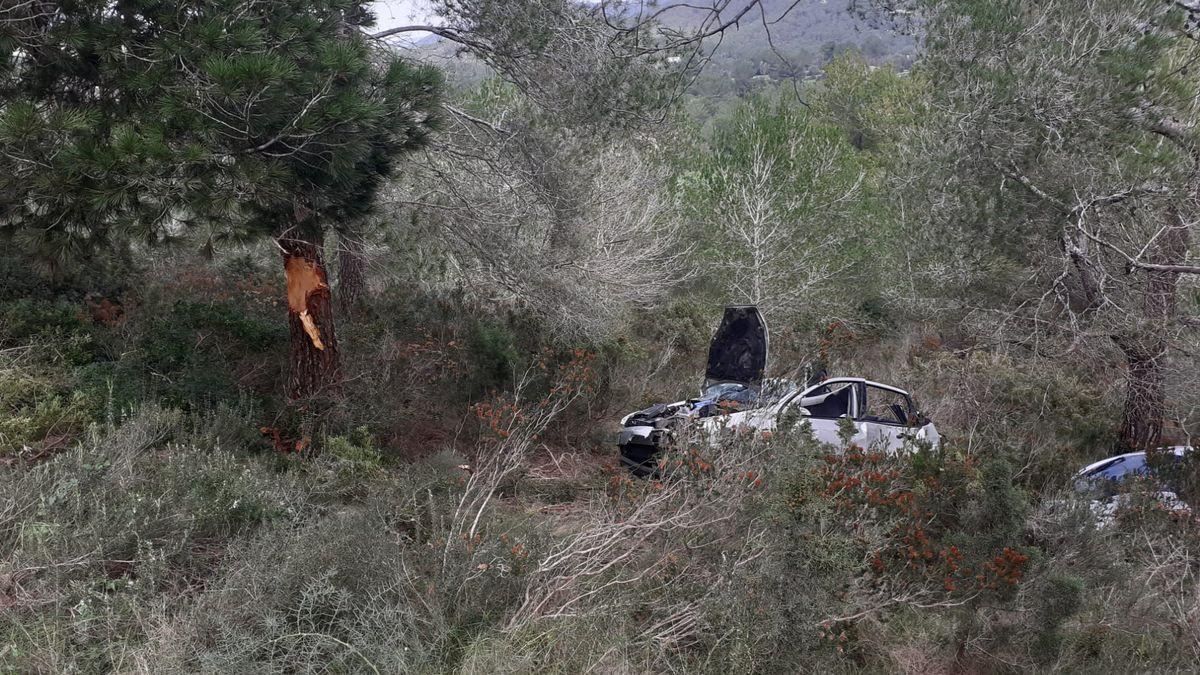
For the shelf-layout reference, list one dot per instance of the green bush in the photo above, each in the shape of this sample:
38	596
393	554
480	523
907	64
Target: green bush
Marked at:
355	463
492	350
1061	597
195	350
56	420
58	330
37	409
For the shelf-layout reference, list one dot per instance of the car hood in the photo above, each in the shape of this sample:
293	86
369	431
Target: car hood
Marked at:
738	351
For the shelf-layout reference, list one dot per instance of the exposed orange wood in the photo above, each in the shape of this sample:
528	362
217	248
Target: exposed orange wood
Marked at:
304	278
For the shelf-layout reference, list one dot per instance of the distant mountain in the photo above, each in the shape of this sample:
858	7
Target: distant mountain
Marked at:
795	44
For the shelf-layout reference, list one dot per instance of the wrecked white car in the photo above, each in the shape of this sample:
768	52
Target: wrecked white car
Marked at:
735	396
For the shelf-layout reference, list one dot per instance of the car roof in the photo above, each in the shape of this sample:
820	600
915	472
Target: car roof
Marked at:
860	380
1177	450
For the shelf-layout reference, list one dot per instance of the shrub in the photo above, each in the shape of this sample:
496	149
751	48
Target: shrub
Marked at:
385	585
133	515
202	353
1061	597
352	463
1037	416
492	351
37	410
58	328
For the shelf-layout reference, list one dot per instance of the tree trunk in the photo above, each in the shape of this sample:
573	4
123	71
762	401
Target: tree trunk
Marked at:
1142	421
1145	353
316	368
351	276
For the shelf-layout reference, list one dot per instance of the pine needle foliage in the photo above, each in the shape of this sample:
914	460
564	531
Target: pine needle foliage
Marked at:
137	118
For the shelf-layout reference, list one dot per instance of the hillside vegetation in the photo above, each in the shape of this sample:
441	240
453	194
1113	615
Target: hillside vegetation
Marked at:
312	357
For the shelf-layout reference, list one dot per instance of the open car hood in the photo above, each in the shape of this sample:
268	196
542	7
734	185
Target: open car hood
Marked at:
738	351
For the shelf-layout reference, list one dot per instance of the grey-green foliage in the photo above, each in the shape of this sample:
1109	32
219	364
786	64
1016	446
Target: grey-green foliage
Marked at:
162	544
570	219
786	197
763	196
1061	206
133	512
1041	184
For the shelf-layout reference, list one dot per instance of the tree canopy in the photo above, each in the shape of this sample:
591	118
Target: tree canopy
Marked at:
143	117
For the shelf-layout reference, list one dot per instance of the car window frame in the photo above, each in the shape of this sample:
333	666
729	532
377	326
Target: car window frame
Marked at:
794	399
909	405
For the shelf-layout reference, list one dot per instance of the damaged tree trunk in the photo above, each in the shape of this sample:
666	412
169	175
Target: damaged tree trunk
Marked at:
351	275
316	367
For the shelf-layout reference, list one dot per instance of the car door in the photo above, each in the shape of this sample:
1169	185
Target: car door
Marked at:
825	407
888	417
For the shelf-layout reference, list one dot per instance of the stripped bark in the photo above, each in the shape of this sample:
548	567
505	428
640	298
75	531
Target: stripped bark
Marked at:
316	367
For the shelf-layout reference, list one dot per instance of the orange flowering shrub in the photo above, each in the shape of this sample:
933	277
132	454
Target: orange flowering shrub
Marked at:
502	416
917	504
576	374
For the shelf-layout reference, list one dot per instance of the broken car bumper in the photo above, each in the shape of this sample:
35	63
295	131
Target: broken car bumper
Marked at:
640	447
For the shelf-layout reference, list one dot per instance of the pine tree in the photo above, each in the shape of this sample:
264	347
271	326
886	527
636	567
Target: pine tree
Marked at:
139	118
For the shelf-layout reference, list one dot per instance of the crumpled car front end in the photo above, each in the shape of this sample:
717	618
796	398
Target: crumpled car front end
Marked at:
646	432
733	379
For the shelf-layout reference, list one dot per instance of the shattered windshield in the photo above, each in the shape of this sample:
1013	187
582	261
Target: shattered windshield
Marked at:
777	389
726	398
731	396
718	390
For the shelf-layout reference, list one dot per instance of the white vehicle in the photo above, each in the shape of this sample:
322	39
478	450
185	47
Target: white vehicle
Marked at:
1102	482
735	396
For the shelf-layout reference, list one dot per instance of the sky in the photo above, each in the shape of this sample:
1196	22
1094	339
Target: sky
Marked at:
391	13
